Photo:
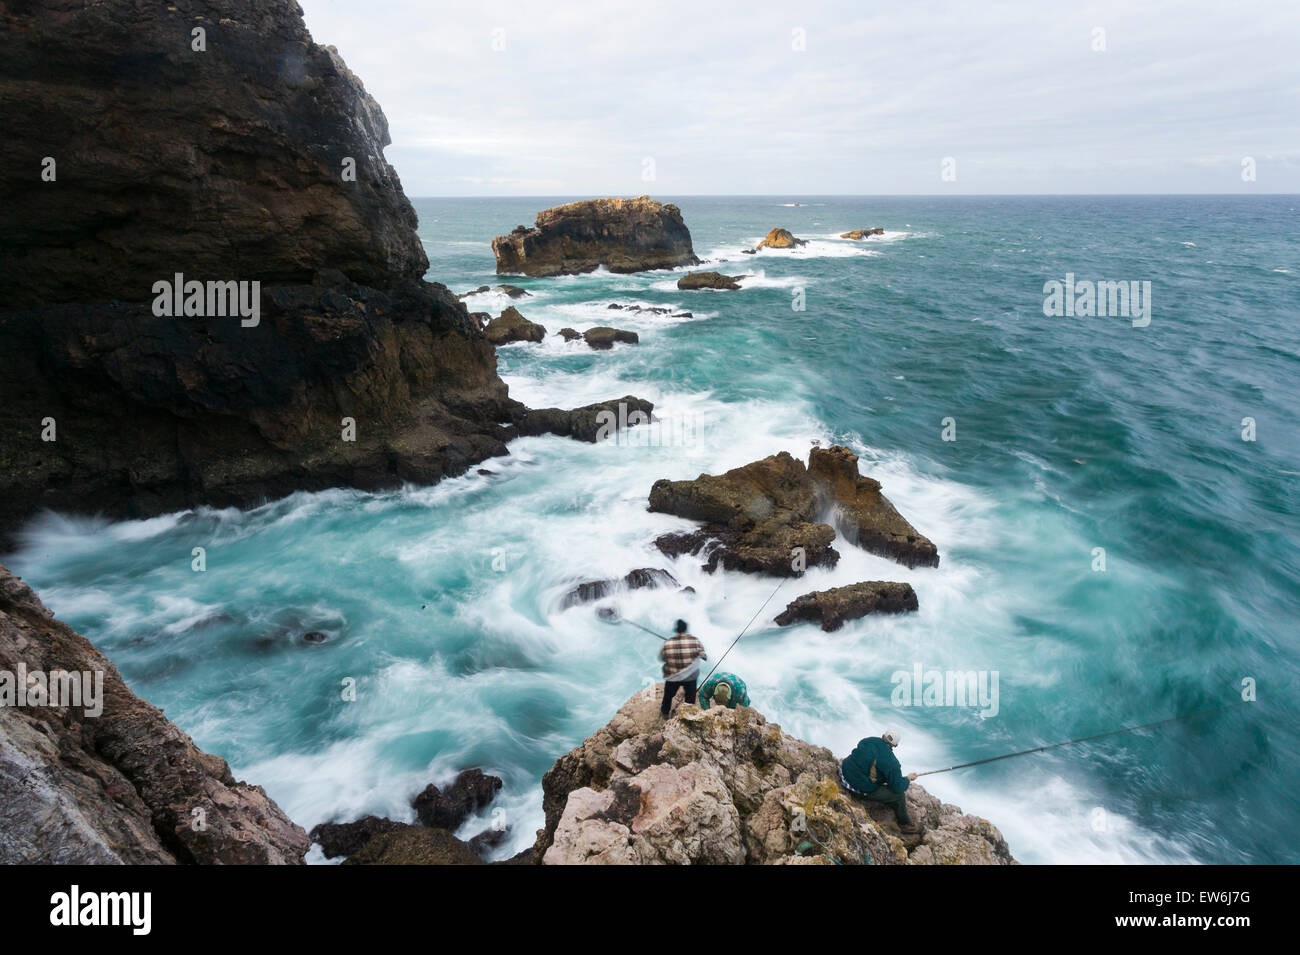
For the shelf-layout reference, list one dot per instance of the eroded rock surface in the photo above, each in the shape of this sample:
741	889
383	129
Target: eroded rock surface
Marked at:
603	338
861	233
779	239
126	786
831	608
511	326
694	281
722	786
623	235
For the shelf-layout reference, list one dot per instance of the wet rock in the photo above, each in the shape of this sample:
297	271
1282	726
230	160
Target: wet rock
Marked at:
641	578
723	786
513	291
569	334
693	281
414	845
478	291
624	235
866	517
448	808
602	338
599	422
650	310
831	608
780	239
511	326
861	233
345	838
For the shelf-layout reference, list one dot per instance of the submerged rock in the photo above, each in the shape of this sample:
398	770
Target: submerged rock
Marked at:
831	608
569	334
513	291
644	577
510	326
125	786
602	338
779	239
866	516
723	786
693	281
861	233
624	235
650	310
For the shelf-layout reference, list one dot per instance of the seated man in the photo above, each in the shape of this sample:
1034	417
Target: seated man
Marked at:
872	771
725	689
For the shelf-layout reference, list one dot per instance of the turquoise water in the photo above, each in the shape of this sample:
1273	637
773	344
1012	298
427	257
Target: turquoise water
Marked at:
443	603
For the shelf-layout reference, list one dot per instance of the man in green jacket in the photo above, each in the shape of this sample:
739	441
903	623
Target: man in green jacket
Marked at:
725	689
872	771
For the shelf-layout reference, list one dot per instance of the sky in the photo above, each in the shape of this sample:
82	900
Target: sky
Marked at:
871	97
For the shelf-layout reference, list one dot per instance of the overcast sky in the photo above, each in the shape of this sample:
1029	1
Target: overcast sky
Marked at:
1025	96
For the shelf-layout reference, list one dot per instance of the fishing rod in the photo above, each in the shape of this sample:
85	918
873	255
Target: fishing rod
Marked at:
1084	739
747	626
611	615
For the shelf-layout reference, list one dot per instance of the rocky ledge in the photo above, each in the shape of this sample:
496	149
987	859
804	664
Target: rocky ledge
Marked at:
623	235
694	281
831	608
862	233
726	787
123	786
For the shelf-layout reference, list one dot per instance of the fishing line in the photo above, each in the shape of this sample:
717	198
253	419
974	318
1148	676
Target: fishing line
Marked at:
1084	739
747	626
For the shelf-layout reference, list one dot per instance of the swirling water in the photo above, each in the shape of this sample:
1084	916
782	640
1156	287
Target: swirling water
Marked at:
443	603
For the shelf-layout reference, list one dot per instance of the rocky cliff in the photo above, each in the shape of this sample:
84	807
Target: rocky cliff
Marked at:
119	786
624	235
726	787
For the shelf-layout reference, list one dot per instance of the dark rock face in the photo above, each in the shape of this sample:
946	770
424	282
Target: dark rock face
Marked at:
833	607
225	415
862	233
125	786
624	235
867	517
638	579
447	809
345	838
649	310
694	281
221	164
569	334
603	338
414	845
511	326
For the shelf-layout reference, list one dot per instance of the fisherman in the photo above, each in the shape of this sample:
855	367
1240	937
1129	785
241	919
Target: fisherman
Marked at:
681	654
872	771
725	689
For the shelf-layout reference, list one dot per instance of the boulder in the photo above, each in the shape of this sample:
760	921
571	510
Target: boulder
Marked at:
569	334
510	326
513	291
448	808
865	516
345	838
831	608
861	233
121	786
623	235
725	787
478	291
602	338
779	239
693	281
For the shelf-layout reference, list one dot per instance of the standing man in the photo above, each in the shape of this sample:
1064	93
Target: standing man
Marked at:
681	654
725	689
872	771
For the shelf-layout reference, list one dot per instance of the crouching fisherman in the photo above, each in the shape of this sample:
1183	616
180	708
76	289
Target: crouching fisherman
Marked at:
681	654
725	689
872	771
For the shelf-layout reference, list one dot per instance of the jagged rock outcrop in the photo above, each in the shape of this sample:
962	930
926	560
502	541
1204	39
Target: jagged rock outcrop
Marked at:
222	163
649	310
511	326
448	807
124	786
831	608
779	239
861	233
755	516
623	235
641	578
866	516
602	338
569	334
694	281
723	786
602	421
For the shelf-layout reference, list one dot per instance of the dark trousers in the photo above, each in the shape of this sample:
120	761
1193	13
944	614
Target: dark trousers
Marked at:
670	690
898	801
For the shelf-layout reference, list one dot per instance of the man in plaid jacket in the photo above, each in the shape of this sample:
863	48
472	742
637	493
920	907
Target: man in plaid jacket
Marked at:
681	654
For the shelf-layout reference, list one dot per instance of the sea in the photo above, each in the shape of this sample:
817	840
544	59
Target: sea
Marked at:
1113	493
